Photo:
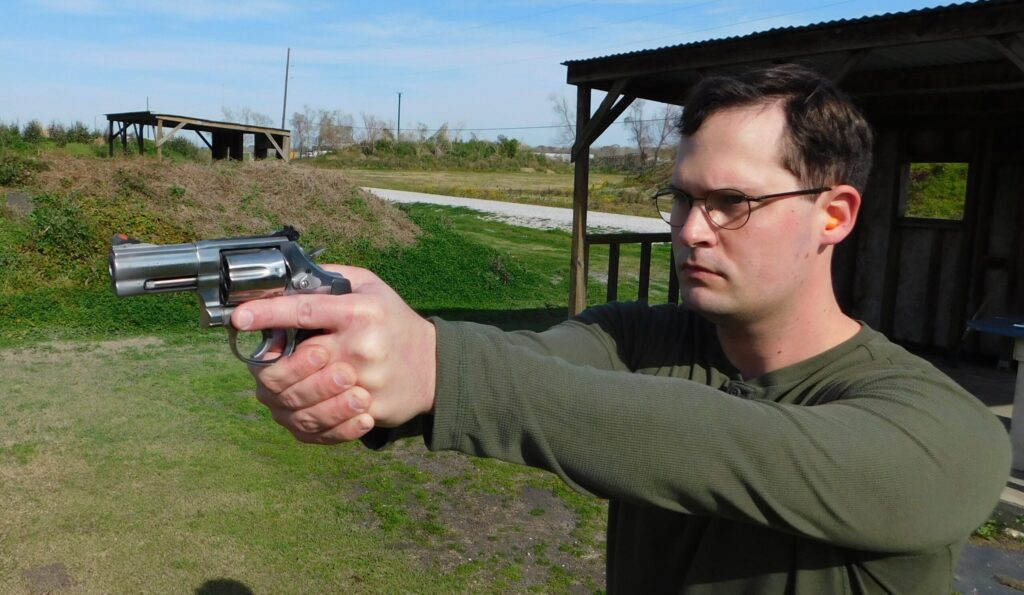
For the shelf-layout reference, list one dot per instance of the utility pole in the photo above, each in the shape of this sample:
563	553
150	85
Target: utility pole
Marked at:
398	131
284	106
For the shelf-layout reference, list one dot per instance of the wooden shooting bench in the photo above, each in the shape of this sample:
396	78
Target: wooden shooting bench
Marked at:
226	138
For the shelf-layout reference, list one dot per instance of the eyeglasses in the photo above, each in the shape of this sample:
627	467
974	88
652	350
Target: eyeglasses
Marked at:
726	208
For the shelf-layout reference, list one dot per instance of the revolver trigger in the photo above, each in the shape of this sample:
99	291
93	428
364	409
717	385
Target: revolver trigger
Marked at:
256	357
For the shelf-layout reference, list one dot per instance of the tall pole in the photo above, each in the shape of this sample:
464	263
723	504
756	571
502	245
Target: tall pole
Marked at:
398	131
284	106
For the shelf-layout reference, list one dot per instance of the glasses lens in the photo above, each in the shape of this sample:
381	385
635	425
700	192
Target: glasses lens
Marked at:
665	200
728	209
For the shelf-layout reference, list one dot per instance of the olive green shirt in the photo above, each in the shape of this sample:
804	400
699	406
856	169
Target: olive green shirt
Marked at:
860	470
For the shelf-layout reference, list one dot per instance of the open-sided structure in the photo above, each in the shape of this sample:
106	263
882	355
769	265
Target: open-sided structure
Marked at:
226	139
939	85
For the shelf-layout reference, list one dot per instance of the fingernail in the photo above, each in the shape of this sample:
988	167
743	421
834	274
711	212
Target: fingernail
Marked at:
341	380
356	404
243	320
364	422
318	358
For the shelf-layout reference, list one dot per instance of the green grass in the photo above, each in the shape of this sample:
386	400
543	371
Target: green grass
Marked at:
612	193
463	266
149	467
937	190
145	465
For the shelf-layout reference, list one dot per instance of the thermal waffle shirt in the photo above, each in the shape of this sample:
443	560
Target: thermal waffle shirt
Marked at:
860	470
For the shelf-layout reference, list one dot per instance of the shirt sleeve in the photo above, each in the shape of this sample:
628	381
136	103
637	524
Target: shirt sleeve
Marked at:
900	463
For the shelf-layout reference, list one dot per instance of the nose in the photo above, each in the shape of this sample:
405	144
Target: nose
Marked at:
697	229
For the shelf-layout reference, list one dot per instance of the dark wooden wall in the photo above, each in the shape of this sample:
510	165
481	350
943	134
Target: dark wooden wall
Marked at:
920	280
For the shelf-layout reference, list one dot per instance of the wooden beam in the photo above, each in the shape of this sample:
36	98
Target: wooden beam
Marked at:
203	138
946	78
170	134
952	23
606	113
581	188
273	141
852	60
1012	47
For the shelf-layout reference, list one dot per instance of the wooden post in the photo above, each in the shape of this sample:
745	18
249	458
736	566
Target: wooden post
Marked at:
581	186
110	137
613	272
645	272
159	140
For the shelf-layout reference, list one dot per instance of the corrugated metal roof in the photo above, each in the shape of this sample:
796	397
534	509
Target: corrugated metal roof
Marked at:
803	28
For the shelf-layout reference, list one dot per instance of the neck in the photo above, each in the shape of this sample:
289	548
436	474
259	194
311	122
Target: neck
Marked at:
774	342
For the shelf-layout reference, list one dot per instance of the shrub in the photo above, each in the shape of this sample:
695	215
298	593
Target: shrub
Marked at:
60	228
33	132
17	170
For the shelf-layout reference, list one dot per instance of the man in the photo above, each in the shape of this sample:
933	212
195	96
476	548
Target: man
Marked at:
755	440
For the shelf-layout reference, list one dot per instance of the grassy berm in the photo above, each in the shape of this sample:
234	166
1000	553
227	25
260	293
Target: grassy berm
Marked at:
134	458
56	227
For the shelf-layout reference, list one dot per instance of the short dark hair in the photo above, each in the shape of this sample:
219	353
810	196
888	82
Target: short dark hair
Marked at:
827	140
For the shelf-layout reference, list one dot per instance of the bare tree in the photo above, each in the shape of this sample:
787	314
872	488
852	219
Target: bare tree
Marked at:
258	119
639	130
301	128
566	134
335	129
245	115
373	130
664	128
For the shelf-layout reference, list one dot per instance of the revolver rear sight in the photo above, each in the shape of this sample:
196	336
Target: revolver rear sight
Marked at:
225	273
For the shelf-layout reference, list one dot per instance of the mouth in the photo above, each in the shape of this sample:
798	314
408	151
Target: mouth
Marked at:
695	271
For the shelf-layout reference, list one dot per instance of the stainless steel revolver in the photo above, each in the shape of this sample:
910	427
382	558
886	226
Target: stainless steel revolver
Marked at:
225	273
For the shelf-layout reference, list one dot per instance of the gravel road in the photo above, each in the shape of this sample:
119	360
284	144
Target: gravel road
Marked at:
531	215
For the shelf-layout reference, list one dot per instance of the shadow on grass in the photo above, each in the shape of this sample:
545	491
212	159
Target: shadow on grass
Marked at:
533	319
223	586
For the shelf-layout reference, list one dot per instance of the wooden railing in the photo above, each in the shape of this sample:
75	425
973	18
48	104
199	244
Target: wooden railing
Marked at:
646	240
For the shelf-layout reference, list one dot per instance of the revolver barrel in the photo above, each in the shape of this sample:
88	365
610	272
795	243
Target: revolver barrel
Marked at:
138	269
223	274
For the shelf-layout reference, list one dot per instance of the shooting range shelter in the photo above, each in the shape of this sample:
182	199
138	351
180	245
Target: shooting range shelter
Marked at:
226	139
940	85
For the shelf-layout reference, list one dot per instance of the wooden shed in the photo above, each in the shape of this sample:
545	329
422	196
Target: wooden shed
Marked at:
939	85
226	140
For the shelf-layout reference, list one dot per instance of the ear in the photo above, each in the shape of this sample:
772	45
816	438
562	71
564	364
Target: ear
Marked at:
838	213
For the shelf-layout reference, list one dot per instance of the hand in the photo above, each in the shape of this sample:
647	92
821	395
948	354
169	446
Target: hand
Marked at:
374	364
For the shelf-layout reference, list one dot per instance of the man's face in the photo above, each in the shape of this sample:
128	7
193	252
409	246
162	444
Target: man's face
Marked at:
755	272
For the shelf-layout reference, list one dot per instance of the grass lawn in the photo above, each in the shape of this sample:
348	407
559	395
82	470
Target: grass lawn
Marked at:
144	464
610	193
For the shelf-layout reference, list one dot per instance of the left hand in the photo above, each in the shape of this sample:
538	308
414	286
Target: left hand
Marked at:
373	366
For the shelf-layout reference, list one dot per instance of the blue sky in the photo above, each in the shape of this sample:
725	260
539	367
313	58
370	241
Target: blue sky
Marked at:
481	65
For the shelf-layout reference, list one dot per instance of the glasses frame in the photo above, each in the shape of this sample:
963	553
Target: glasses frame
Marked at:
677	193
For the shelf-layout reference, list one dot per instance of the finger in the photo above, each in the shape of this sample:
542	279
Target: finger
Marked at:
347	431
309	357
325	415
294	312
315	388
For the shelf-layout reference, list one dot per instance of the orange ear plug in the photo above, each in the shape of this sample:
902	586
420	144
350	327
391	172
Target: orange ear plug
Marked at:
832	223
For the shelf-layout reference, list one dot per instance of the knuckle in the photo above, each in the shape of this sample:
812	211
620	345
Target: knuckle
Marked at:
305	424
289	400
304	314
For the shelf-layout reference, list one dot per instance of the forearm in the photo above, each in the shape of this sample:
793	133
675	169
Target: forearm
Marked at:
851	473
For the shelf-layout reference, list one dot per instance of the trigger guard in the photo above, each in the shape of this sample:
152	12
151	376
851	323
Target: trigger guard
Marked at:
256	357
